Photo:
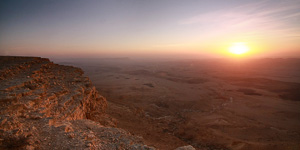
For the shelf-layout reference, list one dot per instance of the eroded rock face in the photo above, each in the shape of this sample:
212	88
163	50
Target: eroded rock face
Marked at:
189	147
48	106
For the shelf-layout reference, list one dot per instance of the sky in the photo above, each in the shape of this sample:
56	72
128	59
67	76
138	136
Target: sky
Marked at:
199	28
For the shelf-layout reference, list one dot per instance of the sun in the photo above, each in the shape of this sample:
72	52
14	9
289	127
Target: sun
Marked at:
239	48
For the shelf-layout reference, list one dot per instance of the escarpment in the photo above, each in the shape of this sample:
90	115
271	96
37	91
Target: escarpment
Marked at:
49	106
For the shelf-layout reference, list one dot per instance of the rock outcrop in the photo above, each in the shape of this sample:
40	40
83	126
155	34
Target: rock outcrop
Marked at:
189	147
49	106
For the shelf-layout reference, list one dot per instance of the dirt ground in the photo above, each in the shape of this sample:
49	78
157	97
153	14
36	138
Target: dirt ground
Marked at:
210	104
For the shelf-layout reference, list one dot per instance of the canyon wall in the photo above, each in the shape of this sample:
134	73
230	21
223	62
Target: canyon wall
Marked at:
49	106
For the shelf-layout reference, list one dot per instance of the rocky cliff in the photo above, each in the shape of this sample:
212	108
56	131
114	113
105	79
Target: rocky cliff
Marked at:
49	106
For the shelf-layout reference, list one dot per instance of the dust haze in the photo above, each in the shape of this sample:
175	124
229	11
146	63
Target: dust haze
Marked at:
207	103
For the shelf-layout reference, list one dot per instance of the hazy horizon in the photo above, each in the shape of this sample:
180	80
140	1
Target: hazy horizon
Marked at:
150	74
183	29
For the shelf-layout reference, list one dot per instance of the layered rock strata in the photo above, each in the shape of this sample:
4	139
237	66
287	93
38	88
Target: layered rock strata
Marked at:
49	106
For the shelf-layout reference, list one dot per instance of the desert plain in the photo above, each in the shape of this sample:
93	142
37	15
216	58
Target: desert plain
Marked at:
209	104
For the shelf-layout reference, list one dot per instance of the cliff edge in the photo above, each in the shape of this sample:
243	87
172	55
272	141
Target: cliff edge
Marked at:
49	106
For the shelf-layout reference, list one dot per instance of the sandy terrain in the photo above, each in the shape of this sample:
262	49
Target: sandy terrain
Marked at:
210	104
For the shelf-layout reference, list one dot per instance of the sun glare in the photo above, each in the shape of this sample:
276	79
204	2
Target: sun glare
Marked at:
239	48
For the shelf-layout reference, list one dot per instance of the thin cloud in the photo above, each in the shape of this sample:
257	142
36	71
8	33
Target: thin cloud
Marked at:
265	16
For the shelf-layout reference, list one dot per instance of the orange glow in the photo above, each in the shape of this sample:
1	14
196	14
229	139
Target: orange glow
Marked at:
239	48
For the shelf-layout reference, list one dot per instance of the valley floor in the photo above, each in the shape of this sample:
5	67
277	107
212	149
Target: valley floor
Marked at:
210	105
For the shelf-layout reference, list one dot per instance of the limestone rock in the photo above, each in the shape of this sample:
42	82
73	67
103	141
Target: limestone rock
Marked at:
49	106
188	147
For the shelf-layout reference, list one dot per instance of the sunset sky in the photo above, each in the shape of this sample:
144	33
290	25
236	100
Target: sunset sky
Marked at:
94	28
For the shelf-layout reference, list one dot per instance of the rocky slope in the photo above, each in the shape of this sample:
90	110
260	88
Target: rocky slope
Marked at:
48	106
